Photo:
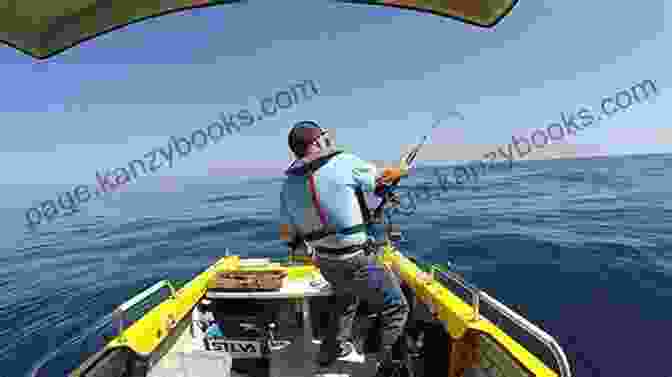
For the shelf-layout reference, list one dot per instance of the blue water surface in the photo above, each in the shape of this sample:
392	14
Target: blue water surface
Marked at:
583	248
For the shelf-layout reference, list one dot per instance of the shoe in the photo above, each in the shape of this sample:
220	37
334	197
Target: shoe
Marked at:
345	351
387	369
350	354
386	366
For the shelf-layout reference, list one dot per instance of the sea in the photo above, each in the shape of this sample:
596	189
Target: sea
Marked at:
582	248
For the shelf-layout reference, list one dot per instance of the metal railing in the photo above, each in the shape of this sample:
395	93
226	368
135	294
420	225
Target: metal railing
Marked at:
78	346
477	295
119	314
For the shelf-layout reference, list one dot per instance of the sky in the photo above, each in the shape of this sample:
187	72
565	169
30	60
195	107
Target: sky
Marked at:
384	76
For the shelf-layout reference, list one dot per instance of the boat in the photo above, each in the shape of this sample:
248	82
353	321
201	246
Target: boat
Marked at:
274	328
265	317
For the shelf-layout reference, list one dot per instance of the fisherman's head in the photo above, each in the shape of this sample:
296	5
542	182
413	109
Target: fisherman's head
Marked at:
307	138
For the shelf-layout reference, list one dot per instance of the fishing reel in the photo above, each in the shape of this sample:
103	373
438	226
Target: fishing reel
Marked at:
389	196
394	200
390	200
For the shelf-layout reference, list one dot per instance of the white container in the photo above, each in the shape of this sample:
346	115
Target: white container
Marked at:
198	363
254	262
201	363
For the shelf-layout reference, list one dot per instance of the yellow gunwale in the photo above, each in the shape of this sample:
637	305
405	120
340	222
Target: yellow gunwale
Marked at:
457	316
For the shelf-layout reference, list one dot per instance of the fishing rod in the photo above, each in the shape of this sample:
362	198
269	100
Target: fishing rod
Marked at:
408	162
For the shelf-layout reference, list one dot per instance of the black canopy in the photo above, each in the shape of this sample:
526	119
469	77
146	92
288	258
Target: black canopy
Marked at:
44	28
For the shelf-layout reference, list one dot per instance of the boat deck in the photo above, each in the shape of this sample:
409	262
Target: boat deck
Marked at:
186	358
297	303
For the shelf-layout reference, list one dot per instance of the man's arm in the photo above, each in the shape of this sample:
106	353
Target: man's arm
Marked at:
370	179
286	232
290	233
287	229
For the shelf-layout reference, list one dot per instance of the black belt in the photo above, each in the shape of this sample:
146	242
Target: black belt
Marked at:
368	247
326	231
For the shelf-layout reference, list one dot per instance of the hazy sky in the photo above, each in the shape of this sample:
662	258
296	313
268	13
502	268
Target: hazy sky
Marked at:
384	74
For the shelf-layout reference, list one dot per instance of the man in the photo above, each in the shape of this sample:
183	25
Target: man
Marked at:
324	210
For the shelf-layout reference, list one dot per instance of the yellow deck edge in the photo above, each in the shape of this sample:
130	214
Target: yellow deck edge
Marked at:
457	315
149	331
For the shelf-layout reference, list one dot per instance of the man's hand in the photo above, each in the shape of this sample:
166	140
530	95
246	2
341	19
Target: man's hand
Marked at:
390	175
285	232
